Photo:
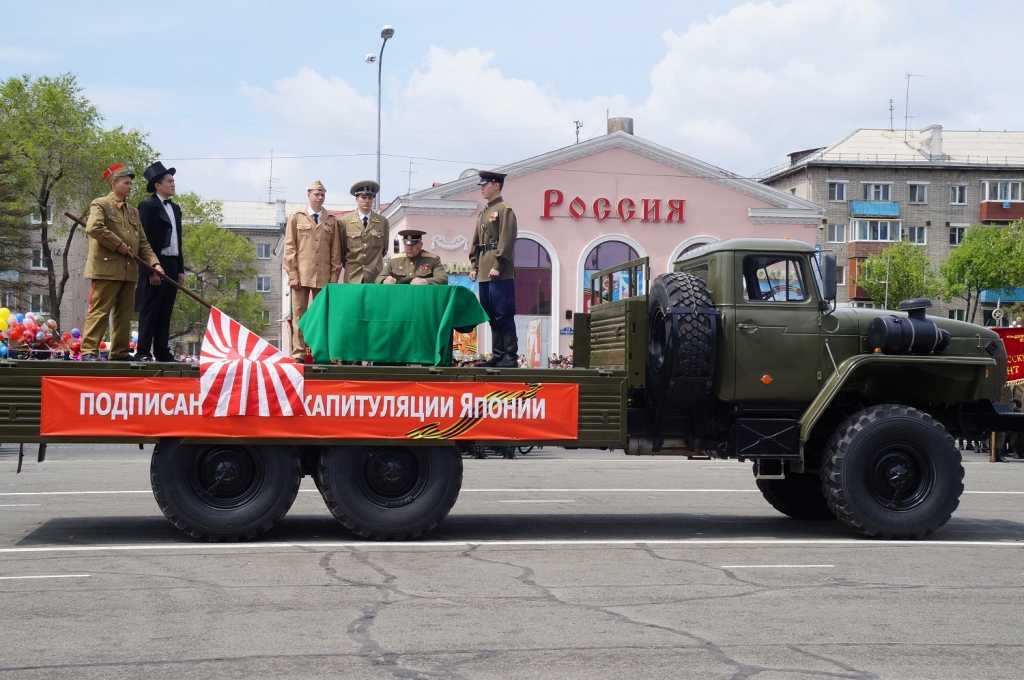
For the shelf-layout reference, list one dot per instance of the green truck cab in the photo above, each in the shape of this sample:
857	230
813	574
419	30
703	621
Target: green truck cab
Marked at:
740	352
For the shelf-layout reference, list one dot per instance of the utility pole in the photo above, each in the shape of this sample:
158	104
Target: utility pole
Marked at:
906	104
890	115
579	124
410	172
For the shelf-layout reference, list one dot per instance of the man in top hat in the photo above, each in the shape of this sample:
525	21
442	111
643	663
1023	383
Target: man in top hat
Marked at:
492	264
312	257
364	244
116	233
161	219
415	265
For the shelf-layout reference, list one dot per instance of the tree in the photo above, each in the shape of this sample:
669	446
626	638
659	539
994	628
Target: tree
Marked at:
988	258
901	272
60	149
218	263
13	225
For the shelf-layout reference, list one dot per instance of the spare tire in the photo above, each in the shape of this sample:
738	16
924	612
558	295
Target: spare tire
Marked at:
680	354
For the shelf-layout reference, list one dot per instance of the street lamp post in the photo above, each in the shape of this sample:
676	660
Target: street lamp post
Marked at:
385	33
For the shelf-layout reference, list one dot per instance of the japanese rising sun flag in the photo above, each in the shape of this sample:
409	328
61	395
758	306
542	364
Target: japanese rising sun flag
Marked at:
242	374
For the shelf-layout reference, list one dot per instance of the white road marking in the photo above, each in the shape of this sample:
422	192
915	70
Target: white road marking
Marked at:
543	501
778	566
538	543
1015	493
66	493
20	505
18	578
495	490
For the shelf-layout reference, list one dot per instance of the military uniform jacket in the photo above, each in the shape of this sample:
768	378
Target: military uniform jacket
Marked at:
111	223
493	241
312	251
424	266
363	249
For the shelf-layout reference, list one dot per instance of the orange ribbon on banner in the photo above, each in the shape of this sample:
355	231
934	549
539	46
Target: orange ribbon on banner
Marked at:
335	409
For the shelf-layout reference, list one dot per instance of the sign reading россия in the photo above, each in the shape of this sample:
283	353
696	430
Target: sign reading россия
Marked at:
646	210
334	409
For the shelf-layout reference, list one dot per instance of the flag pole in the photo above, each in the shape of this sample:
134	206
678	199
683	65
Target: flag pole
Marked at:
163	276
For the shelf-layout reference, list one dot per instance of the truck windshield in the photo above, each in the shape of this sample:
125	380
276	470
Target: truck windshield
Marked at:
819	282
773	278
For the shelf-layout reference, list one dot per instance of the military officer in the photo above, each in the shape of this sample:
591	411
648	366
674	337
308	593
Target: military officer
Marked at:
312	257
364	244
415	266
116	233
492	264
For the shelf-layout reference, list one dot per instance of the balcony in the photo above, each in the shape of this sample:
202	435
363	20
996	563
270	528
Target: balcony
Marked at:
874	208
1001	211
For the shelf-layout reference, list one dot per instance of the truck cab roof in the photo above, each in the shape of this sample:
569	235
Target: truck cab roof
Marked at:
772	245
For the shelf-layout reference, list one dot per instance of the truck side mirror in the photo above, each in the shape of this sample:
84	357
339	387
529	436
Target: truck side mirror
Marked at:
828	274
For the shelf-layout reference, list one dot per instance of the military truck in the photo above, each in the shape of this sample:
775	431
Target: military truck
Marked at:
740	352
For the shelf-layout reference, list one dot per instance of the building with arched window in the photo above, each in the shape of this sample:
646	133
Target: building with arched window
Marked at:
594	205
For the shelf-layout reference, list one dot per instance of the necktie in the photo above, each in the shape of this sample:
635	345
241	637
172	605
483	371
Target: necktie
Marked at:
366	221
167	201
316	218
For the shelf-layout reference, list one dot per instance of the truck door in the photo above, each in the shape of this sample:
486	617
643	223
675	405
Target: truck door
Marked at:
777	328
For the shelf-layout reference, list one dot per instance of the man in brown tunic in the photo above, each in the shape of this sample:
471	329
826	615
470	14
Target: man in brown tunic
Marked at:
115	233
416	266
364	243
312	257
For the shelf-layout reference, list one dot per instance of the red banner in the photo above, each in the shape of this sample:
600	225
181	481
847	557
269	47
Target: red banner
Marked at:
335	409
1013	339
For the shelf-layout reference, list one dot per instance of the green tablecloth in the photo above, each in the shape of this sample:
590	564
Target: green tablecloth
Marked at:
403	324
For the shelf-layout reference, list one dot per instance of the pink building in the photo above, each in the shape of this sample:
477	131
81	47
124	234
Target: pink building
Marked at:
594	205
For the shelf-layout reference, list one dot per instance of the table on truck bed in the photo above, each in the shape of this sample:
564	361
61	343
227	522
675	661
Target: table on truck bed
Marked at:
402	324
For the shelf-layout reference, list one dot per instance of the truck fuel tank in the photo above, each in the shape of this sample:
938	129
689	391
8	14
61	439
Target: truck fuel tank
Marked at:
913	334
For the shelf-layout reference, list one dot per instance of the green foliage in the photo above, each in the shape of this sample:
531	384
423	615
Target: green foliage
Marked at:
14	223
908	272
989	258
217	263
59	150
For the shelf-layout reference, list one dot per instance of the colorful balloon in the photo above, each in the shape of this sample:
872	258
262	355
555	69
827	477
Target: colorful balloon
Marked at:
51	324
103	345
5	313
75	333
3	351
19	317
3	324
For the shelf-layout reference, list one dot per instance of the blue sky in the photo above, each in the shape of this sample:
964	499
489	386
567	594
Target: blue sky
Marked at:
220	84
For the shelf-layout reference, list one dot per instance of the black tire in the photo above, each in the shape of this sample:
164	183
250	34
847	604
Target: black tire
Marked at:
688	356
893	472
799	496
523	450
224	492
390	493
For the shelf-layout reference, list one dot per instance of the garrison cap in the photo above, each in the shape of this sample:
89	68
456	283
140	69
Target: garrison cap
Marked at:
317	185
488	176
116	172
411	236
365	186
154	174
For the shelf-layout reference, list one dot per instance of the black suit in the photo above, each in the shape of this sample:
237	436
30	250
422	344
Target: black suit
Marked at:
155	303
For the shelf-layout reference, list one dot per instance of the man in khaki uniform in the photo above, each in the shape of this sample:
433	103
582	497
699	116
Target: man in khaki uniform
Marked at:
365	242
312	257
491	255
116	233
415	266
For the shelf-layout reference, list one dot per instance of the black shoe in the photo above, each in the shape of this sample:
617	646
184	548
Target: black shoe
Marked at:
510	343
126	357
143	357
90	357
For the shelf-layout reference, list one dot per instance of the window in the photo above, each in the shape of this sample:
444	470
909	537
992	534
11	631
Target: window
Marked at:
265	315
533	278
837	191
876	192
40	304
840	276
837	233
958	314
867	305
10	300
262	251
958	195
771	278
793	191
37	215
37	260
914	234
1001	191
874	230
956	235
194	348
603	256
918	193
262	284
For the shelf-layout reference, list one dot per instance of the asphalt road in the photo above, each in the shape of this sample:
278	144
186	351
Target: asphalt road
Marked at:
557	565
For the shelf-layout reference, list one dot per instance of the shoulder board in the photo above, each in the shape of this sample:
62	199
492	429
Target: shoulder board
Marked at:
102	200
299	212
374	218
505	205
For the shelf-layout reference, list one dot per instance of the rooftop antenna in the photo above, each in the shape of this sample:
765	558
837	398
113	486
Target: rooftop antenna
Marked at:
410	172
906	105
270	185
578	124
890	116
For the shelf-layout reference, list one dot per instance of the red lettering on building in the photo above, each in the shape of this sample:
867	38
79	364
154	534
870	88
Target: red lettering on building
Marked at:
675	210
630	211
577	208
602	209
652	209
552	197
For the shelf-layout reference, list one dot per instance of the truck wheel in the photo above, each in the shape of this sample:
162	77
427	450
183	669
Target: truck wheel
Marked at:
390	492
892	471
683	352
799	496
224	492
